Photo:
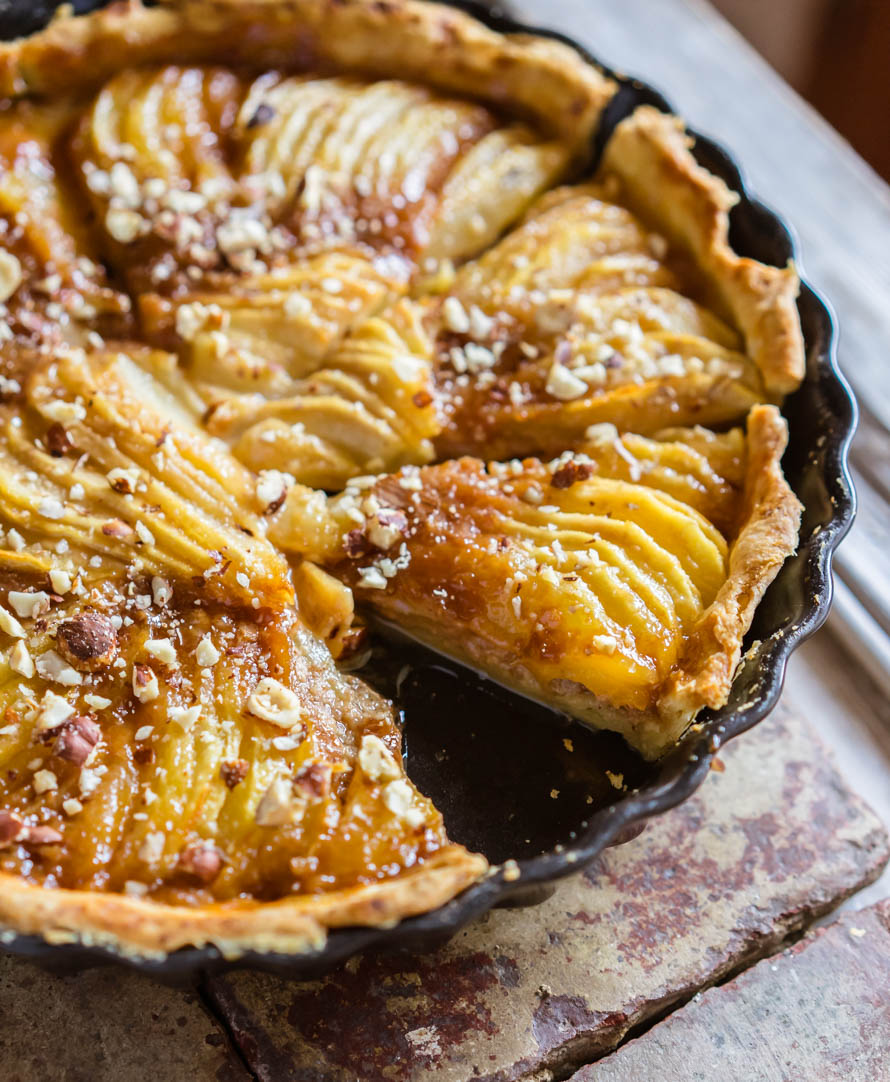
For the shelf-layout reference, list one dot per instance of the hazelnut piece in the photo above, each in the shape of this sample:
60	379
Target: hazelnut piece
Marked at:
76	741
87	641
201	860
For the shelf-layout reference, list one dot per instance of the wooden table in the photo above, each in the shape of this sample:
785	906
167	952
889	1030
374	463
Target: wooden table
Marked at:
708	889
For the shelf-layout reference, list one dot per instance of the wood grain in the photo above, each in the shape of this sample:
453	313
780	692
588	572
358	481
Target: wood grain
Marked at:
749	1030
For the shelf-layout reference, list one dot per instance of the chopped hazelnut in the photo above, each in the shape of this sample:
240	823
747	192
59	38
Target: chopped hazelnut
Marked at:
88	641
234	771
569	472
10	625
356	544
164	650
184	716
398	796
45	781
279	805
29	603
275	703
51	666
152	848
160	591
20	660
206	654
376	760
58	442
386	527
60	580
11	828
117	528
563	384
313	780
10	275
123	481
201	860
78	739
145	683
124	225
54	711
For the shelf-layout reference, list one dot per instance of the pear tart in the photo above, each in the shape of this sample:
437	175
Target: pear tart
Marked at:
310	314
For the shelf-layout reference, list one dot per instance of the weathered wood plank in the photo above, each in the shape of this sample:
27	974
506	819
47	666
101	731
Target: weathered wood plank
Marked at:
106	1025
820	1012
762	849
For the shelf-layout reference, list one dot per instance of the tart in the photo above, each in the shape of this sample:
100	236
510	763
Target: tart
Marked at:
313	314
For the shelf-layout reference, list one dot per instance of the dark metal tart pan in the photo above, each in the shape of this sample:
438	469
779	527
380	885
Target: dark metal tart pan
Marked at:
489	759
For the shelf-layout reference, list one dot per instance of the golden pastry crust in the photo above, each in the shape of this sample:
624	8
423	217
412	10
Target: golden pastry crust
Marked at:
649	156
767	536
544	80
139	928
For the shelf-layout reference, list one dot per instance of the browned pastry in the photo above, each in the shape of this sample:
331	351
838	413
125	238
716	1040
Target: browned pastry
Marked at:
304	304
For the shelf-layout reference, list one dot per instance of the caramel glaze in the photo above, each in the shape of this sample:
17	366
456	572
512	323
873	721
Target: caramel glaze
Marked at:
346	837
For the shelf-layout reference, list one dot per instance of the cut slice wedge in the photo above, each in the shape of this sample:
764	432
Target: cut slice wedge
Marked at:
616	584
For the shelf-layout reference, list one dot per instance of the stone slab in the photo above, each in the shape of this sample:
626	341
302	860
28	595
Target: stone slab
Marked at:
106	1025
764	848
819	1012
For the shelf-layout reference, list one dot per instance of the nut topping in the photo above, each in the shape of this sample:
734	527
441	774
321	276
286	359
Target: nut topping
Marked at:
279	805
77	740
275	703
386	527
569	472
313	781
123	481
356	544
88	641
41	836
58	442
117	528
54	711
234	771
145	683
13	829
376	760
10	275
202	860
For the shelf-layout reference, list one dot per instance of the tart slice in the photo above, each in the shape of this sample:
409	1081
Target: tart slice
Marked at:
615	583
182	762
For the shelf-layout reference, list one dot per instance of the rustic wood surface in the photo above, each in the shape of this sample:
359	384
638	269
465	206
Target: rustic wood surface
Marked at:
107	1025
838	979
